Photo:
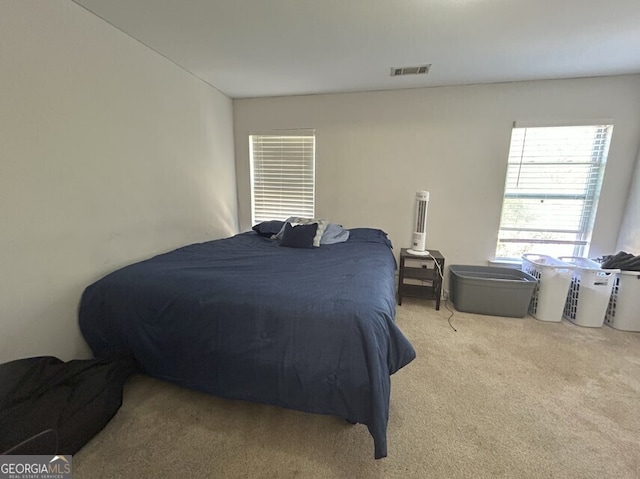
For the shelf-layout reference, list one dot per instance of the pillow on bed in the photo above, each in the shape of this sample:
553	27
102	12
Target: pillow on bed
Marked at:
295	220
268	228
334	234
300	236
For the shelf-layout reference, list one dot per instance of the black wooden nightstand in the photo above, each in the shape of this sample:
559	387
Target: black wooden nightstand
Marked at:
419	276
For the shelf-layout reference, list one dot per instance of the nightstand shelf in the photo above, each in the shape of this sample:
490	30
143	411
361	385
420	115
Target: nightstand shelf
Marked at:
419	276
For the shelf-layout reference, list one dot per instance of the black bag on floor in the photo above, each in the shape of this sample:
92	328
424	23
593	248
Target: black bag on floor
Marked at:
48	406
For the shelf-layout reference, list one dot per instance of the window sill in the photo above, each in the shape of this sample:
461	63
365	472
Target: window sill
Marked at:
514	263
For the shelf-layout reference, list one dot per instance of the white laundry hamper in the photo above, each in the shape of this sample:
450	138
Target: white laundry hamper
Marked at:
623	312
589	292
554	278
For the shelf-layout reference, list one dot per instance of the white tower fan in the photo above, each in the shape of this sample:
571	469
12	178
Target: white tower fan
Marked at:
419	243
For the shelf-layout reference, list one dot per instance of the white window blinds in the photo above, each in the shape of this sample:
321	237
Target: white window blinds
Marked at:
282	176
552	187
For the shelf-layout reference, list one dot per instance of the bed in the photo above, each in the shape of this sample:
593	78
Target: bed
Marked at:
245	318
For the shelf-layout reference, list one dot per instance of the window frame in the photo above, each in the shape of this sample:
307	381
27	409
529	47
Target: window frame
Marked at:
303	170
589	196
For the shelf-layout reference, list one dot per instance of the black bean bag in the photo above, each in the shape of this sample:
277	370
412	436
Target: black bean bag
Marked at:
48	406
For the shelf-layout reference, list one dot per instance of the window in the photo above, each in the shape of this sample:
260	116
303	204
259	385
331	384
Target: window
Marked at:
553	182
282	176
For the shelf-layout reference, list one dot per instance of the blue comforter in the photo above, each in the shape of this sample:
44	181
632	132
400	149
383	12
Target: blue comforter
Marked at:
245	318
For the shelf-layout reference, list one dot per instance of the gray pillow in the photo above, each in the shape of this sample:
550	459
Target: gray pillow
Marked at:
334	234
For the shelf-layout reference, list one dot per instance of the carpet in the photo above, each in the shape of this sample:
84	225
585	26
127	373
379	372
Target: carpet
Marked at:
498	398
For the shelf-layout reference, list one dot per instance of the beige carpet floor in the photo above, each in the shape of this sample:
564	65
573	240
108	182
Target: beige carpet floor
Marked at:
501	397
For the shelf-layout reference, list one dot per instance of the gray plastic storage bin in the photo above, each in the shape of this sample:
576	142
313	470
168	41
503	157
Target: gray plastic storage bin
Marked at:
491	290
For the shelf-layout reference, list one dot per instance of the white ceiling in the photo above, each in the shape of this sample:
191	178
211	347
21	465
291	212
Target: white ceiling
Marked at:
253	48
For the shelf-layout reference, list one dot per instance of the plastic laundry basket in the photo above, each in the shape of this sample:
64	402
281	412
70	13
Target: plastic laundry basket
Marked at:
554	278
623	312
589	292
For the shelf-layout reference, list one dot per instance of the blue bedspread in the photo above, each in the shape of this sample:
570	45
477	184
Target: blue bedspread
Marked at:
245	318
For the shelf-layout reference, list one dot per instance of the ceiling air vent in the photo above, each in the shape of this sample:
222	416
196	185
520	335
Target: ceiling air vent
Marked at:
419	70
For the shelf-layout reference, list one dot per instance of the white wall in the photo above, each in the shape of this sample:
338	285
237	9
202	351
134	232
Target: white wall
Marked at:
109	154
374	150
629	239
